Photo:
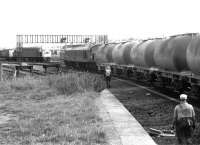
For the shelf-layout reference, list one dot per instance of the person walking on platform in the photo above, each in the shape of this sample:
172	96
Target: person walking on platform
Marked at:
184	121
108	76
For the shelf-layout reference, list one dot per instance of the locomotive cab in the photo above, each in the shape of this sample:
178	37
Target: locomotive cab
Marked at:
46	55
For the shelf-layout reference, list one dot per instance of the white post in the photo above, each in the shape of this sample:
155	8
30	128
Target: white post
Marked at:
15	74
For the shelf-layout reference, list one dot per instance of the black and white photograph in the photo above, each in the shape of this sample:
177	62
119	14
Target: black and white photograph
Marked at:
99	72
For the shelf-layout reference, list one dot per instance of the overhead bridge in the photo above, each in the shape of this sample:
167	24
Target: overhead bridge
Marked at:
68	39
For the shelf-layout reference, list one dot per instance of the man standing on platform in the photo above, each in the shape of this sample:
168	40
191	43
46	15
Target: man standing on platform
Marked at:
108	76
184	120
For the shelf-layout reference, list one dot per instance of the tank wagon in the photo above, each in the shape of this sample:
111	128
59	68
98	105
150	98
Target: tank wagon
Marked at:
171	62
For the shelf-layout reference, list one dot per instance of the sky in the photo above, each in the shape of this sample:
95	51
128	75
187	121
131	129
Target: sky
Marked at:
119	19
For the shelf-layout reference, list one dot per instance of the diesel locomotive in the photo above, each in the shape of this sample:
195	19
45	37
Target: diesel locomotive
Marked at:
27	54
171	62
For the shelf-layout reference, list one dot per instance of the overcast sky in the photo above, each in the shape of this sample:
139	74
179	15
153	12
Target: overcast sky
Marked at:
117	18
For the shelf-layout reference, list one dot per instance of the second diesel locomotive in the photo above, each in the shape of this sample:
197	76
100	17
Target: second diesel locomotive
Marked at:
27	54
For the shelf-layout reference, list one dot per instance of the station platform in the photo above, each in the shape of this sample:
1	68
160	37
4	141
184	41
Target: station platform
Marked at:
120	126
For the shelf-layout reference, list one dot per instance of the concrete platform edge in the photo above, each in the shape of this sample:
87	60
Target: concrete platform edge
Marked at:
128	128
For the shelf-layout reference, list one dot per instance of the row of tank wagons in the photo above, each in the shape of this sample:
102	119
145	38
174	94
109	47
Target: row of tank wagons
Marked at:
176	53
26	52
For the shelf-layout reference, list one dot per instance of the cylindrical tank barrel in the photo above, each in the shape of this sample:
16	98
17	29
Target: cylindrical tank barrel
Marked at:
117	54
127	51
108	51
149	52
193	55
138	53
171	55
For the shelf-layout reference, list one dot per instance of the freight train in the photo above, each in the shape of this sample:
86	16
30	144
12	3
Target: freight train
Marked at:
172	62
27	54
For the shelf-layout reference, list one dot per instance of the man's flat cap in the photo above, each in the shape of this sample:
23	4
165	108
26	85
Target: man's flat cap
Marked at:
183	97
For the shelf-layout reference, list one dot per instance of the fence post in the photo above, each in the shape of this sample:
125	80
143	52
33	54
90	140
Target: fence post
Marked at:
15	74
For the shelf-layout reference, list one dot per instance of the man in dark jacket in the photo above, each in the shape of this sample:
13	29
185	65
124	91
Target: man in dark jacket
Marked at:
184	120
108	76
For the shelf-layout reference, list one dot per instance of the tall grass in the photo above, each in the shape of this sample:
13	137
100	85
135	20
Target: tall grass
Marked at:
76	82
52	110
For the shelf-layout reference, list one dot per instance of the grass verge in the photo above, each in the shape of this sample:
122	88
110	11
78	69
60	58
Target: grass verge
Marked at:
52	110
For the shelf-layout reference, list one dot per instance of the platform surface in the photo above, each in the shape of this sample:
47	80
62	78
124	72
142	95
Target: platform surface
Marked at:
120	126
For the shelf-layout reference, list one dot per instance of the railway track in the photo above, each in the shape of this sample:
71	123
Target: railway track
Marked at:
151	108
173	96
170	97
164	93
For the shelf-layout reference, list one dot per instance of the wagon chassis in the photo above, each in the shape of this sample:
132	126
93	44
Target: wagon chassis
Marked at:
183	82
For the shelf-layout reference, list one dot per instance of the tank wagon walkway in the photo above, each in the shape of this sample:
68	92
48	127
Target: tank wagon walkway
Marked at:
120	126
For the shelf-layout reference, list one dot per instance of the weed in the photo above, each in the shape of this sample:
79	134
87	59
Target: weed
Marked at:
52	110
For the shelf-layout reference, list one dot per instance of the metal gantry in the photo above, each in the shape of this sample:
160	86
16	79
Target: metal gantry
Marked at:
68	39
